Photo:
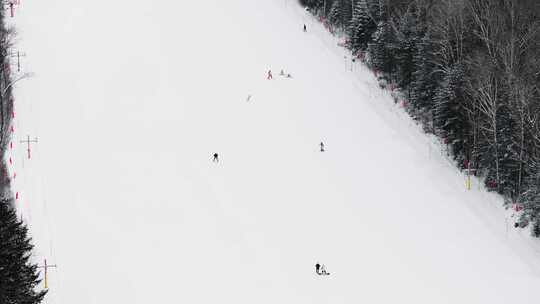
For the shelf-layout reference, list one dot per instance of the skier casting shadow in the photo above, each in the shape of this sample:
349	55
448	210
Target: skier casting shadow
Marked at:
216	158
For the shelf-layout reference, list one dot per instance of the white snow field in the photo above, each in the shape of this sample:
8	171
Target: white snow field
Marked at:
129	101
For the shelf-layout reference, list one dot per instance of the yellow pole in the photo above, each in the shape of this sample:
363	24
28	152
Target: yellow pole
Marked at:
46	285
46	277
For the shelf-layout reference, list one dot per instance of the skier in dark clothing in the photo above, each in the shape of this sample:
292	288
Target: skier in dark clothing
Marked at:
216	158
305	28
322	146
317	267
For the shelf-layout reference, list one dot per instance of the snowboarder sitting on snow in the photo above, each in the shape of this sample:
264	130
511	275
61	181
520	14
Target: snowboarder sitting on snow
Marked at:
216	158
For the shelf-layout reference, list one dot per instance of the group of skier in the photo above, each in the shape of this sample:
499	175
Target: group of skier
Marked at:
269	75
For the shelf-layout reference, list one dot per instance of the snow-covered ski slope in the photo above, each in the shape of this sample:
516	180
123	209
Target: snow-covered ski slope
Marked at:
129	101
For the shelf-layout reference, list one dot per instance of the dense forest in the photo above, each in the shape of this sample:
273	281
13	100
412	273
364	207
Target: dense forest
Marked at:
19	277
469	70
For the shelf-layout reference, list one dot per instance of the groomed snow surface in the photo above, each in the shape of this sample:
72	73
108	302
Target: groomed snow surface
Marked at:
129	101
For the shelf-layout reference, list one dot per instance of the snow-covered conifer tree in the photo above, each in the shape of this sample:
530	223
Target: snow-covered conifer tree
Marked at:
18	276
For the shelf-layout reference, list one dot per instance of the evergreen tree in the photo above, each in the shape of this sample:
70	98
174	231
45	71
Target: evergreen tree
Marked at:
334	15
530	197
346	12
422	89
449	117
340	13
408	36
380	49
362	26
18	277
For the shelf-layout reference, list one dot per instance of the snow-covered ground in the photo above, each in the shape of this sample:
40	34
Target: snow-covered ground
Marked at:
130	99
